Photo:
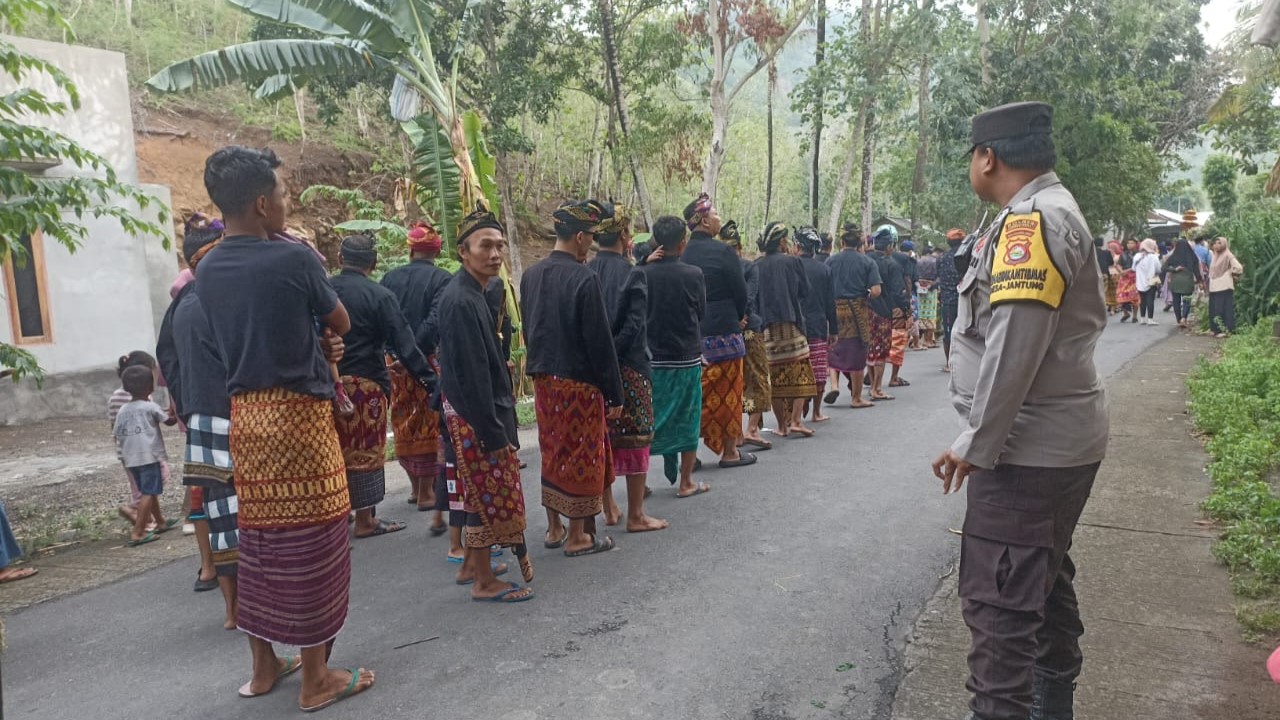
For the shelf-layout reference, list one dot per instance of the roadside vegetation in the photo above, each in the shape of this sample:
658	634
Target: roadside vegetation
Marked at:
1235	402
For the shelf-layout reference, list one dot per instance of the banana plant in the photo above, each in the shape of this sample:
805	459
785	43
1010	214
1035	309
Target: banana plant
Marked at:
357	34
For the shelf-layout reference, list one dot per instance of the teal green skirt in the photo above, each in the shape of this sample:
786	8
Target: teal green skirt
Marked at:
677	409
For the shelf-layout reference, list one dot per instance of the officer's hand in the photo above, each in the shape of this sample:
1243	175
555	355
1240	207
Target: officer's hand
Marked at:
951	469
613	413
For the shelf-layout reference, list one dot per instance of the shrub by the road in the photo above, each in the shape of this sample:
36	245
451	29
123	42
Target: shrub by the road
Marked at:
1235	402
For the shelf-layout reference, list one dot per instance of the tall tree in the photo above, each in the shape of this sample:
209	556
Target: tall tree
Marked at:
605	9
1219	179
819	55
919	180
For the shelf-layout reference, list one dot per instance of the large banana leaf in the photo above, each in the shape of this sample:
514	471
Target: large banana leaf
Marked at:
351	18
437	176
276	87
255	62
482	158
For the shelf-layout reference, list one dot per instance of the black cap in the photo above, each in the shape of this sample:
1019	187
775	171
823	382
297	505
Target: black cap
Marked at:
1014	120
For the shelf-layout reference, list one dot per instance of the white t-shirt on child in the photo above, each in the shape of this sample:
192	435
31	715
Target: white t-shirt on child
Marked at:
137	433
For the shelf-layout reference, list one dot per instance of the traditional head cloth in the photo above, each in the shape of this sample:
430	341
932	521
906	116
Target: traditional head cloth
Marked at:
772	237
424	238
1114	247
616	219
358	251
478	220
580	216
808	239
729	233
199	234
955	235
695	211
885	236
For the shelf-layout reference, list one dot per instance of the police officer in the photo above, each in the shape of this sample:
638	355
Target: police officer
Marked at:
1034	419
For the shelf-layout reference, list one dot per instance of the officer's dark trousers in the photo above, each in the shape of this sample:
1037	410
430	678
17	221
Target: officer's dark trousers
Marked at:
1015	582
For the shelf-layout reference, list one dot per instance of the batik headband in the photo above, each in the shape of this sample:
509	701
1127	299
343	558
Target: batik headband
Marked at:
424	238
478	220
619	221
772	237
729	233
580	216
697	210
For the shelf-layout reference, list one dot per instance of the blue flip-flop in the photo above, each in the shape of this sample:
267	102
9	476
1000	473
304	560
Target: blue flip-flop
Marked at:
493	566
494	551
502	597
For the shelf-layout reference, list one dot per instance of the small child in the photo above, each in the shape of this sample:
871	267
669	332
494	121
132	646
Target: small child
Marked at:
137	432
118	399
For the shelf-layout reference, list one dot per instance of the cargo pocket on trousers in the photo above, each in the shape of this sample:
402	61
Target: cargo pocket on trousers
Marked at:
1004	557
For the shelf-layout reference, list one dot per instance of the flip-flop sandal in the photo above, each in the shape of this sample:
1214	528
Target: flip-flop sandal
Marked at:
346	693
18	574
438	530
597	546
760	445
497	567
702	488
744	459
802	434
293	663
899	383
148	538
205	585
504	596
169	524
883	398
556	544
383	528
454	560
831	397
863	406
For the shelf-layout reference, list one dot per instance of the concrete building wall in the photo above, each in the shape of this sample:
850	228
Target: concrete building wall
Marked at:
107	297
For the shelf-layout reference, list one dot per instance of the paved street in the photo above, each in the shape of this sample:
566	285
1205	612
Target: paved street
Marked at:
754	604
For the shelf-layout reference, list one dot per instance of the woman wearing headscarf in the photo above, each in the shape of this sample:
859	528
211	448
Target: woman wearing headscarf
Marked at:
783	289
1183	268
1127	295
1147	270
1223	271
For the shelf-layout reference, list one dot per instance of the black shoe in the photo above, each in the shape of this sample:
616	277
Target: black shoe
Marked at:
205	585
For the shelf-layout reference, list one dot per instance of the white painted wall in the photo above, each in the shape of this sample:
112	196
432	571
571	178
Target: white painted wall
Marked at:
106	298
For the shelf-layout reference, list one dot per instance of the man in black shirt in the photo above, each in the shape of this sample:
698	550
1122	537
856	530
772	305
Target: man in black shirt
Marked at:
855	283
626	300
819	313
480	412
377	327
893	306
949	291
904	324
722	343
677	305
575	378
417	288
756	396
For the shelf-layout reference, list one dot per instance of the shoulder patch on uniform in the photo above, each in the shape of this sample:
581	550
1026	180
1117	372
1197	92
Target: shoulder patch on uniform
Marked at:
1022	269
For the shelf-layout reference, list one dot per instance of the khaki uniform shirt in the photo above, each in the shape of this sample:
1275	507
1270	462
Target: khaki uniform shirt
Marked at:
1031	310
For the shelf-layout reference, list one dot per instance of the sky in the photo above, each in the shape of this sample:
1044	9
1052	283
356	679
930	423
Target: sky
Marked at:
1218	19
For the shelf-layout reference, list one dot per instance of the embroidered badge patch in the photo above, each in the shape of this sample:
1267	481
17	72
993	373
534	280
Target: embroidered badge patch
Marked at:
1023	270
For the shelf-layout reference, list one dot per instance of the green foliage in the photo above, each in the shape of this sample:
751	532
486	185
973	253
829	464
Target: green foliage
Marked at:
1236	403
1255	240
482	158
56	206
370	217
1219	179
437	177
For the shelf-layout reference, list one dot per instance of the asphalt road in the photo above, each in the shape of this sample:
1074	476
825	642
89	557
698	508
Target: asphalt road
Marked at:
786	592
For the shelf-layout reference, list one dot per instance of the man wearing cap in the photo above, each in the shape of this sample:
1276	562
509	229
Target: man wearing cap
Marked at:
417	288
575	373
948	292
1034	418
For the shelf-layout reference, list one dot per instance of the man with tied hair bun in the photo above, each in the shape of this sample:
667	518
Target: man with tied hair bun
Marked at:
819	313
856	284
377	327
784	288
576	382
756	395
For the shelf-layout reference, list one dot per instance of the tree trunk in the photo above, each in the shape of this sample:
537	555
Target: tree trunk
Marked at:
624	120
919	183
818	57
597	158
868	163
846	172
502	171
984	39
300	107
719	102
768	175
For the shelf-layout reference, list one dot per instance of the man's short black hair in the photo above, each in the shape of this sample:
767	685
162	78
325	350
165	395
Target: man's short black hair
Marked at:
608	240
236	176
669	231
1029	152
138	381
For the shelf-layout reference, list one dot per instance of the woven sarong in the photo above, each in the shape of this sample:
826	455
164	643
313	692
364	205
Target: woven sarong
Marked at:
677	409
207	461
577	459
416	425
818	359
363	436
289	470
898	345
292	583
631	434
221	506
721	348
881	339
487	490
1111	291
1127	288
721	422
853	319
756	395
790	374
929	310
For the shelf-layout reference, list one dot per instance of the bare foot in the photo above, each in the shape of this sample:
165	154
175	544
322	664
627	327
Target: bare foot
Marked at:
336	686
509	591
859	404
229	624
820	418
644	523
802	430
265	681
612	516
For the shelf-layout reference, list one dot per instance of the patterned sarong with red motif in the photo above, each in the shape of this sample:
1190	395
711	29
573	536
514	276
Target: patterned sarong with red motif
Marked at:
631	434
416	425
489	488
577	458
363	436
722	386
881	339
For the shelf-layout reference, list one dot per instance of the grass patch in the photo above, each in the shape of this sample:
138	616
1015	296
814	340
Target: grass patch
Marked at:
525	416
1235	402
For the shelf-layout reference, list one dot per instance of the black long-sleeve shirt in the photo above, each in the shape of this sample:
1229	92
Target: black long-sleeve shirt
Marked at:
677	304
784	287
820	304
566	327
725	285
910	269
377	327
473	368
755	322
187	352
626	300
893	291
417	287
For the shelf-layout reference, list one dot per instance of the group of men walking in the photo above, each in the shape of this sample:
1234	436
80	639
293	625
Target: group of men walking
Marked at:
288	379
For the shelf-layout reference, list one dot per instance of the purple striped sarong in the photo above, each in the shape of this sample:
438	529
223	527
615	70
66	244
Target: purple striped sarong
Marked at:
293	583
